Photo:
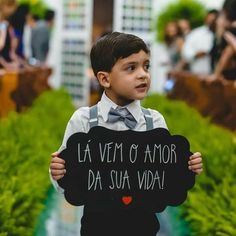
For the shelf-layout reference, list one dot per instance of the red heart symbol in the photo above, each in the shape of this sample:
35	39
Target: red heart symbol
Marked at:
127	200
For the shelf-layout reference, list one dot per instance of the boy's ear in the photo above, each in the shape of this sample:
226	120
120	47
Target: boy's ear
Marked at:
103	78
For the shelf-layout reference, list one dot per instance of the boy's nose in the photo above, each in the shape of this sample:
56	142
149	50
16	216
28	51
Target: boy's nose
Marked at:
142	75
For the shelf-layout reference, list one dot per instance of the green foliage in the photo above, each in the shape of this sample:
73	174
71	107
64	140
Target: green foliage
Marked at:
27	140
192	10
210	206
37	7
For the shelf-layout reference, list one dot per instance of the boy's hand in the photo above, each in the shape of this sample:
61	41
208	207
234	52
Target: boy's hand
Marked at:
195	163
57	166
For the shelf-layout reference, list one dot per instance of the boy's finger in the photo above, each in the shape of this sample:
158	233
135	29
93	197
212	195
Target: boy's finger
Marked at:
57	160
195	167
57	166
57	172
55	154
195	155
57	177
195	161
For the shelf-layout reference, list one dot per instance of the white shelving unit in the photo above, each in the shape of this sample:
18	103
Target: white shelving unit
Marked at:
75	46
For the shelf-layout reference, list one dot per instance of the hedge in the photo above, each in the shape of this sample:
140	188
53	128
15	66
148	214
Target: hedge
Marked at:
210	206
26	143
37	7
28	139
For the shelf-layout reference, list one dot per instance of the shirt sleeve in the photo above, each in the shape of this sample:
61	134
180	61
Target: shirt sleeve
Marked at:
76	124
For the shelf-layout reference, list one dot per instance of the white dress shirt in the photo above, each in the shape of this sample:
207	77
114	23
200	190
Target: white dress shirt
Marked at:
198	40
79	122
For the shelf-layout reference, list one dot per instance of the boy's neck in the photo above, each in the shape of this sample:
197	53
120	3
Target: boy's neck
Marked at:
120	102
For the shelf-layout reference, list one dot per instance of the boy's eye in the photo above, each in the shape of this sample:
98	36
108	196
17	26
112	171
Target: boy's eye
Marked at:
147	66
131	68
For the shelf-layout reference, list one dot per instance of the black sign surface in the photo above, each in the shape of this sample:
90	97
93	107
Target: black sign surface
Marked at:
109	169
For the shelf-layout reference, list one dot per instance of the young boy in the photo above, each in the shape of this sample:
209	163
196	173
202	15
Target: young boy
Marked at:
121	64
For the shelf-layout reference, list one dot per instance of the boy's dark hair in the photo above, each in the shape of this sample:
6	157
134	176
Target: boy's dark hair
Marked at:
113	46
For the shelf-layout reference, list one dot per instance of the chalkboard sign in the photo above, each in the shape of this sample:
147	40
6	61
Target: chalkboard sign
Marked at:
109	169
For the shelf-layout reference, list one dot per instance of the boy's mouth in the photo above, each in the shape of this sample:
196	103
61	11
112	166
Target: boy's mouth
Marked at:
143	85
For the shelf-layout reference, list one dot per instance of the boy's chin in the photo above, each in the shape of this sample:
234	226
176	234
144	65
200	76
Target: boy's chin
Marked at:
140	97
136	98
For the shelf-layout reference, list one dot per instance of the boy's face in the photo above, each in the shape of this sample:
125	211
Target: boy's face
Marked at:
129	79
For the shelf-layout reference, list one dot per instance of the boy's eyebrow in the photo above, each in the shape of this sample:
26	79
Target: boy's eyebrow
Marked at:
135	62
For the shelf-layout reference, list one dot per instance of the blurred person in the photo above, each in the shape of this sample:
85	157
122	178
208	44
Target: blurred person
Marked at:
17	21
174	42
40	36
198	45
231	39
184	26
7	8
31	22
225	56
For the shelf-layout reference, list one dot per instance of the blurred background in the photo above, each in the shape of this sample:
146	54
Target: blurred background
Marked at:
45	74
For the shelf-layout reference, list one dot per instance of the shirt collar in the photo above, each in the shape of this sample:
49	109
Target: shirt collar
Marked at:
106	103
